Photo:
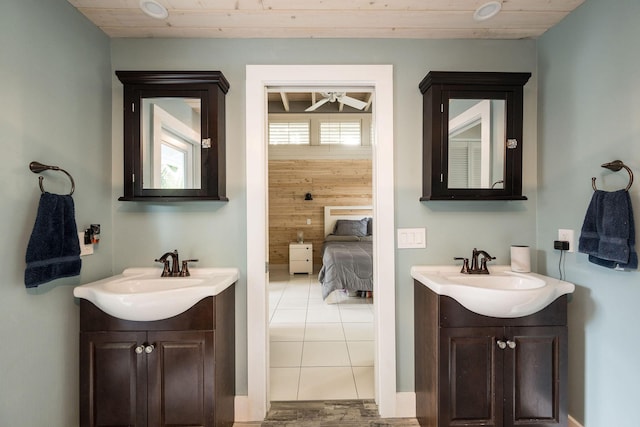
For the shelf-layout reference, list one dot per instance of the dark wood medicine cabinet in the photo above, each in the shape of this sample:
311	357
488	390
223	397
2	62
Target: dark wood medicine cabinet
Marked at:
174	135
472	135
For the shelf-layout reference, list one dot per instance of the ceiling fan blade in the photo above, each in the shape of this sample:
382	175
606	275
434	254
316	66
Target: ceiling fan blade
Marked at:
352	102
318	104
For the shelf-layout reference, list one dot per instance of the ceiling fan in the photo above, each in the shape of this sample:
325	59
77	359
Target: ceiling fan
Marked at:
341	97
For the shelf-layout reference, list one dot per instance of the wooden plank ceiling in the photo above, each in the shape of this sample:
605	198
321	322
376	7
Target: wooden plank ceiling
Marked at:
415	19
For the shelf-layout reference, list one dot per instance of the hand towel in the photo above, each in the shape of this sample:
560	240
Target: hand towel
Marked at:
608	231
54	249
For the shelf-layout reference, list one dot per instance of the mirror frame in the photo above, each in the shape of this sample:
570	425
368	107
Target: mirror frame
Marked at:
437	88
210	87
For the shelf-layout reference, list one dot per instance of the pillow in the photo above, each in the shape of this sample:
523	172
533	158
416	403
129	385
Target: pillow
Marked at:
369	226
334	238
351	227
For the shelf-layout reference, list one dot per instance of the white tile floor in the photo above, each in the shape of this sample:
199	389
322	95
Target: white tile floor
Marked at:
319	351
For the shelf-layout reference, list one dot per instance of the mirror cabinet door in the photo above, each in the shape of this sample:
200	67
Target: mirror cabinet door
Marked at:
171	143
472	135
174	135
475	148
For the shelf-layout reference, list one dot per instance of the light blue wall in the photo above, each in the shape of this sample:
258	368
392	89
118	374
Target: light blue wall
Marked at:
589	114
55	87
215	232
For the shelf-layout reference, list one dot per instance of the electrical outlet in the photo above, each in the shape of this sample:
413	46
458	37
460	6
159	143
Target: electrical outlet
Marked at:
566	235
84	249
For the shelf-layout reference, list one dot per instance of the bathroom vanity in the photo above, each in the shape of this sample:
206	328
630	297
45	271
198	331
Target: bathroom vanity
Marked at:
174	371
474	369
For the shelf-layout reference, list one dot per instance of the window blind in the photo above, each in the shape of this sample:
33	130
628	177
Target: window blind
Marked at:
289	133
340	132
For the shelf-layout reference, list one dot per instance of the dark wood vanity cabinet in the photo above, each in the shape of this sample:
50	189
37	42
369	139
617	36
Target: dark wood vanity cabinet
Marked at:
482	371
173	372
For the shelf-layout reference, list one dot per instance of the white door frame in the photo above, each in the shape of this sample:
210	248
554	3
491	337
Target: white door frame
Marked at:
258	79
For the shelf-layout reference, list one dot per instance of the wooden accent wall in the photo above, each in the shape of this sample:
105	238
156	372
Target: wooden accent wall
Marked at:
331	182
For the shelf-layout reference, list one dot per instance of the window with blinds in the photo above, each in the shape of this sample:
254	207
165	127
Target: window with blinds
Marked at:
289	133
319	134
341	132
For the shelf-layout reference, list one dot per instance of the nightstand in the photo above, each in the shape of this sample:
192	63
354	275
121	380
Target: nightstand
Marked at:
300	258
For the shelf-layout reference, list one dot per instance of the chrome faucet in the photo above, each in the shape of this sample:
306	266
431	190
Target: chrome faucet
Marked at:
474	268
174	270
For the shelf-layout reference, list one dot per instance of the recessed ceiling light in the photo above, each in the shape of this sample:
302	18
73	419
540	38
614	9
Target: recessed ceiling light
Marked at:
154	9
487	11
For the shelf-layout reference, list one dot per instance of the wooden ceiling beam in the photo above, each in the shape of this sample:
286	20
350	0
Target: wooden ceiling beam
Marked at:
285	101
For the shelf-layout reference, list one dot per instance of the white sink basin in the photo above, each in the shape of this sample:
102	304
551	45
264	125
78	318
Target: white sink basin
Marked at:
141	294
502	293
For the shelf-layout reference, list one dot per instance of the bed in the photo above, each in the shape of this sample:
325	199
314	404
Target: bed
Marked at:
347	251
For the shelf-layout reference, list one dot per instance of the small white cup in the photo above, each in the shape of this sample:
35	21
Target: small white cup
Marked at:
520	259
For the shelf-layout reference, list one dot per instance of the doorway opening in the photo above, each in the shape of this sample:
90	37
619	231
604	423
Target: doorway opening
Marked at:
320	288
258	79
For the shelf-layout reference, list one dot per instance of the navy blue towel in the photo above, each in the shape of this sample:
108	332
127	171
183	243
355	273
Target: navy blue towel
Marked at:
608	231
54	249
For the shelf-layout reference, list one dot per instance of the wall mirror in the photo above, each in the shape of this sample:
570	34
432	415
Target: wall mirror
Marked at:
174	135
472	135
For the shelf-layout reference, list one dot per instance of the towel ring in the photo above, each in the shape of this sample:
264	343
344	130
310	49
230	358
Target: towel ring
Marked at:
37	167
615	166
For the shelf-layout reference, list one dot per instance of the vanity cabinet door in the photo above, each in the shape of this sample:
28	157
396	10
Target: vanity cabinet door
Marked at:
180	378
536	377
471	377
113	380
507	377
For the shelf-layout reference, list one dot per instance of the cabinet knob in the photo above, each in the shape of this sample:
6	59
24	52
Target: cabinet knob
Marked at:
148	349
139	349
511	344
501	344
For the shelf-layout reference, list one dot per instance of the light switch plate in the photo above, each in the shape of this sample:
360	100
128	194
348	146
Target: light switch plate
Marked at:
412	238
84	249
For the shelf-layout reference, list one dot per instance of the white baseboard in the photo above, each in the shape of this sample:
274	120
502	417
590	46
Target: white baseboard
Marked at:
406	407
573	422
405	404
241	409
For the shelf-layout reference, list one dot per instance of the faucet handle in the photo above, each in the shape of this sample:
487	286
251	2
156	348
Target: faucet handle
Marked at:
185	267
483	263
465	264
165	269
